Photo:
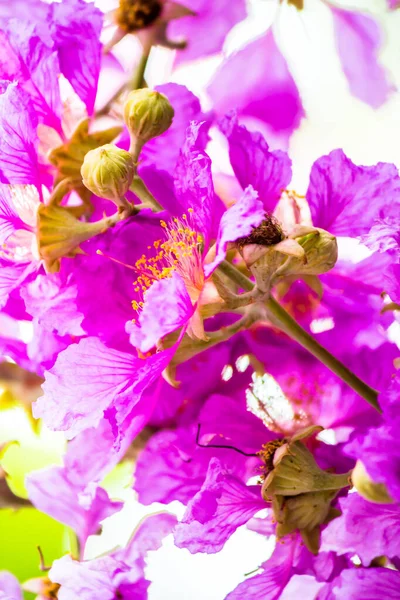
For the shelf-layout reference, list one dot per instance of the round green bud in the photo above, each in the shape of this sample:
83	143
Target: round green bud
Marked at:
147	114
108	172
367	488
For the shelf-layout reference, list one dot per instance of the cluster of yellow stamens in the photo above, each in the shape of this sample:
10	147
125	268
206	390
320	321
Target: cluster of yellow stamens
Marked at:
181	252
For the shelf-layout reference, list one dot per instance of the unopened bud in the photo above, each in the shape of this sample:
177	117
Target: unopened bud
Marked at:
367	488
108	172
147	114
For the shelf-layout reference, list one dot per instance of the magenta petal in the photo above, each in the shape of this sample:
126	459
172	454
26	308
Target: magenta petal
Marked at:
254	164
266	90
238	221
36	67
353	584
359	39
345	199
193	182
76	26
167	307
347	533
18	138
105	381
51	492
218	509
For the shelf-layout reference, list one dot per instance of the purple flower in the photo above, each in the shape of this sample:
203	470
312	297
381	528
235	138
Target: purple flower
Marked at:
180	266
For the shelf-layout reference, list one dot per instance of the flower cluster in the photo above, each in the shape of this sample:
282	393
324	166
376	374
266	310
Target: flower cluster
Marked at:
210	333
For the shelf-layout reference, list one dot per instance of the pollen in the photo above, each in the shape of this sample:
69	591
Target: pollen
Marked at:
180	251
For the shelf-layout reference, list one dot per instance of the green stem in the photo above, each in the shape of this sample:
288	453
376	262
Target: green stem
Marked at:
139	188
286	323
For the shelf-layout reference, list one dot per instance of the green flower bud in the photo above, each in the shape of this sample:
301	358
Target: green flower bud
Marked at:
108	172
147	114
368	489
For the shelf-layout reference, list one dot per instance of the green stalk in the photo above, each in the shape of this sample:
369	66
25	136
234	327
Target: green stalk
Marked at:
286	323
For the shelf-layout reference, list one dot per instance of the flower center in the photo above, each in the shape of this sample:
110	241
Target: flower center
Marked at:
132	15
268	233
181	252
267	455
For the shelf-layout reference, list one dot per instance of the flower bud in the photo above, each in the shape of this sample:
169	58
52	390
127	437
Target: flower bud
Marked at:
367	488
147	114
108	172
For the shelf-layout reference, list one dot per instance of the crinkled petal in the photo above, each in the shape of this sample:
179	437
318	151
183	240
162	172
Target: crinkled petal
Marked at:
254	164
11	276
345	199
346	534
353	584
359	39
218	509
148	537
36	67
217	17
238	221
104	379
76	26
266	89
193	183
53	302
18	138
384	236
167	306
392	282
51	492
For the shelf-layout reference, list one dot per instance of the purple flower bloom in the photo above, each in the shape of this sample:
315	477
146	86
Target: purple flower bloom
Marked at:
9	587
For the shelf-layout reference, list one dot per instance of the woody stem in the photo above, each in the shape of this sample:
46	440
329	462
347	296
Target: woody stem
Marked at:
286	323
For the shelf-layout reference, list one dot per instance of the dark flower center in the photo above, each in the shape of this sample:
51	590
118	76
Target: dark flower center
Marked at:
267	455
268	233
133	15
